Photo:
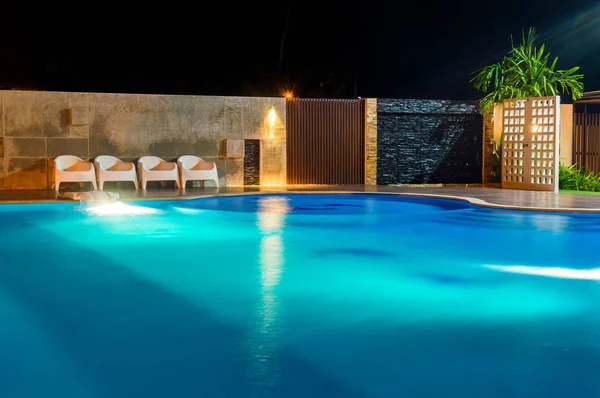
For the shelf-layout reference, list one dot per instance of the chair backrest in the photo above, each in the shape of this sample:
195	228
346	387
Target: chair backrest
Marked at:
107	161
189	161
150	162
64	162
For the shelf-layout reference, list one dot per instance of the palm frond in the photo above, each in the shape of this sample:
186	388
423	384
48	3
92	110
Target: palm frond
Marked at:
526	71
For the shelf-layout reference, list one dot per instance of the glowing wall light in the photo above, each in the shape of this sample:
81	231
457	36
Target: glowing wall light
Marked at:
272	116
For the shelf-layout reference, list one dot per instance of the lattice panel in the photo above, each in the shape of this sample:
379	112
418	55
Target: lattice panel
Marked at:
513	141
542	141
529	143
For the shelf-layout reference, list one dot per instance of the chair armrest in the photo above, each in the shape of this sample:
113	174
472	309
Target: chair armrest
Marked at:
89	166
171	166
130	166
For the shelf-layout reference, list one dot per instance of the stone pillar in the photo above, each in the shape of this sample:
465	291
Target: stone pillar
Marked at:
566	134
371	141
488	148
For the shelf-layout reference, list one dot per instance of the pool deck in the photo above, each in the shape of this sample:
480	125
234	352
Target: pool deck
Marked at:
488	197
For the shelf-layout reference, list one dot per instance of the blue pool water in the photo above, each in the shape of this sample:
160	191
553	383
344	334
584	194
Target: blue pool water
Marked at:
349	296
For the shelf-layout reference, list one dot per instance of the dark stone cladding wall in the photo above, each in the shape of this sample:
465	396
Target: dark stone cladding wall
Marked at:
428	141
251	162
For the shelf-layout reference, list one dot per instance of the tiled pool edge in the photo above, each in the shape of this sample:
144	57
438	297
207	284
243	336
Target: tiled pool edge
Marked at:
291	190
471	200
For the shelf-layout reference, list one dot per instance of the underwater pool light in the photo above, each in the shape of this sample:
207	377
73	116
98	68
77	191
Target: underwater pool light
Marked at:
120	209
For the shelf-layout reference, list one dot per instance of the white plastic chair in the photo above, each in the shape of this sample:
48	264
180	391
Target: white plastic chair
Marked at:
193	168
153	168
110	168
68	168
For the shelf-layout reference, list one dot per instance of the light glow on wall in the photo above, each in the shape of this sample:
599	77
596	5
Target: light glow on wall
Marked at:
272	147
272	116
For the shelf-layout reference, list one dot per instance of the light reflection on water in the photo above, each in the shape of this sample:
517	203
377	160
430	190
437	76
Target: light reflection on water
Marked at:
265	340
551	272
550	222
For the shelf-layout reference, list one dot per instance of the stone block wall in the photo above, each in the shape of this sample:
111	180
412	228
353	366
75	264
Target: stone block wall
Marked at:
428	141
37	126
487	169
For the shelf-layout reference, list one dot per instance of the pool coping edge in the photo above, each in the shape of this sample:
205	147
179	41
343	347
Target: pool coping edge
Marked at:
472	200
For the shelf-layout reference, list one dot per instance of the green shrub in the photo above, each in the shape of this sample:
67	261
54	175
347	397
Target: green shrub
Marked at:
572	179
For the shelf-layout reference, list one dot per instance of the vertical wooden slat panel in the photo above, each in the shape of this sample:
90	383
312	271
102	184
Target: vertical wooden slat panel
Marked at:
580	142
586	141
591	143
596	143
577	140
584	137
594	148
583	141
587	137
589	156
325	141
581	133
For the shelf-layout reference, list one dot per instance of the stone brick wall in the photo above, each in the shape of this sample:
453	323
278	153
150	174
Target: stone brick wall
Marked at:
371	141
488	149
37	126
428	141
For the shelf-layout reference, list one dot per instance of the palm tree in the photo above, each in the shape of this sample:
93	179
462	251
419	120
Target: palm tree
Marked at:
525	72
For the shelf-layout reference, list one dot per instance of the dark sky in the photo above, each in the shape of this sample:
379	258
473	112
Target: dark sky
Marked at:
400	49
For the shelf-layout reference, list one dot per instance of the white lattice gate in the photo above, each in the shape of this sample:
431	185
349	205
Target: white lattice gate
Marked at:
530	137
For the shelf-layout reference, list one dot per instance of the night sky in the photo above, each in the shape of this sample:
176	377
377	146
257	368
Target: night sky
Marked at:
397	49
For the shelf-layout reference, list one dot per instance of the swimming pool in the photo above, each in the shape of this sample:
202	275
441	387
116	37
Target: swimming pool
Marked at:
298	296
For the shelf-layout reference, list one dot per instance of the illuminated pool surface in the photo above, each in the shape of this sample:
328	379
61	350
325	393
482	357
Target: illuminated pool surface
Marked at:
350	296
